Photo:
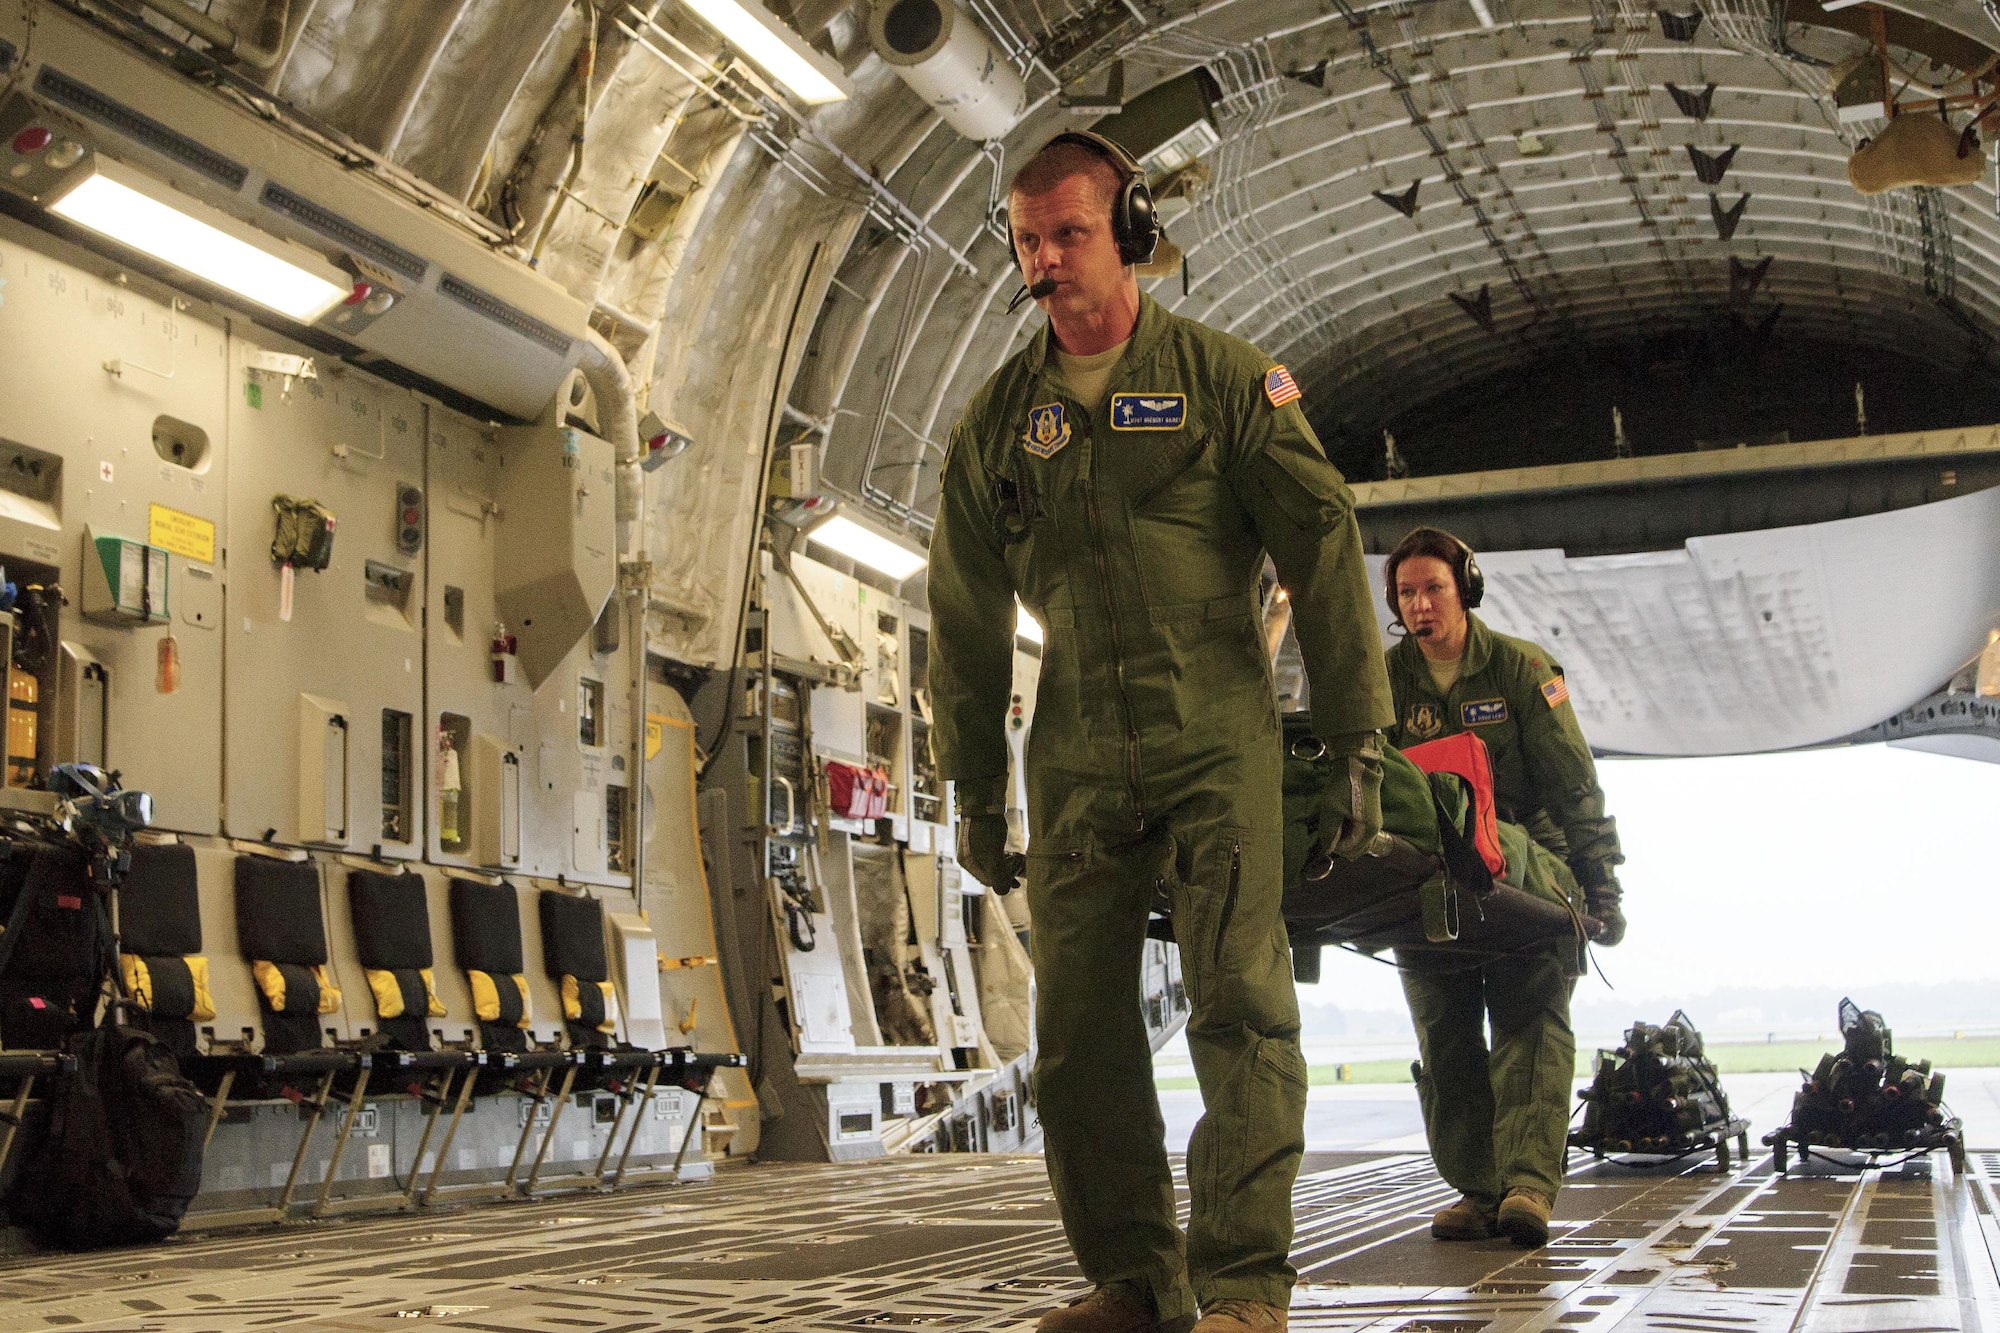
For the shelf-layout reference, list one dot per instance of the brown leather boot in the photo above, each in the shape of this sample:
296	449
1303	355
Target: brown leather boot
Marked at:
1468	1219
1115	1307
1524	1217
1234	1316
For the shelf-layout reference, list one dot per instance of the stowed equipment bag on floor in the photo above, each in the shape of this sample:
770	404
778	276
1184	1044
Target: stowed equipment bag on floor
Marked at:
122	1157
1454	879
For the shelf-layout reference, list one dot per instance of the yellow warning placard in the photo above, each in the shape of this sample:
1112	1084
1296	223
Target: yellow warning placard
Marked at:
654	733
183	534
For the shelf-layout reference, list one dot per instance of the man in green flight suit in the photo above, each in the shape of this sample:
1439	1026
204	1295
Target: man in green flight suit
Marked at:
1497	1119
1123	476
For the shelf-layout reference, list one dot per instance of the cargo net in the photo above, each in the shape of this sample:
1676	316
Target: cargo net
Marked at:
1868	1102
1658	1095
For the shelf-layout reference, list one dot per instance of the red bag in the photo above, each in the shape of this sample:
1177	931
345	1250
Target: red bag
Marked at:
847	789
1464	756
857	793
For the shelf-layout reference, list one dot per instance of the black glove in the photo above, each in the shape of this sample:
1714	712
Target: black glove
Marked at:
1350	817
982	850
1603	912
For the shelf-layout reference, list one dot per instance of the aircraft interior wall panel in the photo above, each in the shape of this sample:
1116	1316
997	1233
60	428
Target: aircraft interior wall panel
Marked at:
836	885
567	765
692	999
463	700
353	642
63	316
921	818
545	1010
447	973
230	983
819	985
789	622
923	875
356	1016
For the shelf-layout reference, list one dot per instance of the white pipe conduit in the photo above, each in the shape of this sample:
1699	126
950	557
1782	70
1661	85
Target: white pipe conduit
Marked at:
942	54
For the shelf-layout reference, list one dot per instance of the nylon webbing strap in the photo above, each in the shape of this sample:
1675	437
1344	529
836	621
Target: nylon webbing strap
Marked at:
1462	861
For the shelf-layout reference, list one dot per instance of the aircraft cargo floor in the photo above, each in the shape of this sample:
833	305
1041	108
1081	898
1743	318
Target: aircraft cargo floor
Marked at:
971	1242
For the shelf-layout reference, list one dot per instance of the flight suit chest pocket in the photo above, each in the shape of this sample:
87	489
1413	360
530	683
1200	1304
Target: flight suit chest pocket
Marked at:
1181	516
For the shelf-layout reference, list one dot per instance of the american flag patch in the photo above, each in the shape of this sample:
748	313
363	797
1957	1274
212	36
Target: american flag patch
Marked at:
1279	387
1556	691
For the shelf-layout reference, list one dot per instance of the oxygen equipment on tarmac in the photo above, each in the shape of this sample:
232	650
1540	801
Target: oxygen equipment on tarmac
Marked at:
1869	1100
1659	1094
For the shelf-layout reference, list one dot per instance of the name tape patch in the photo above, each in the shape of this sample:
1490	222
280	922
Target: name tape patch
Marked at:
1482	712
1280	387
1048	431
1556	691
1148	411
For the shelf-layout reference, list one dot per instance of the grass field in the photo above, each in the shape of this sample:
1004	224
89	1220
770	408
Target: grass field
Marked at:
1730	1058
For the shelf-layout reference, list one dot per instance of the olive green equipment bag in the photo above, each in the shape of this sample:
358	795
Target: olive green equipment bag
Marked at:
1429	890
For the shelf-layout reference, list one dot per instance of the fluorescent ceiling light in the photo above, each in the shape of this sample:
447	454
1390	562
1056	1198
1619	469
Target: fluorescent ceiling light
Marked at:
121	204
1481	12
753	30
1025	625
841	533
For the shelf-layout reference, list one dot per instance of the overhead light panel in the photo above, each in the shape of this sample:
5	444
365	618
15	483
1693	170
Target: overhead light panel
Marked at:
775	48
842	534
127	207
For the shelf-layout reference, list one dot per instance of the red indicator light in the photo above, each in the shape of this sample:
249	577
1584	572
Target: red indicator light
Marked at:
361	292
32	140
410	517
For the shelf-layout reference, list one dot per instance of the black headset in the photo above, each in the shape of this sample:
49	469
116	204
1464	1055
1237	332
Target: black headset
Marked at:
1135	224
1471	579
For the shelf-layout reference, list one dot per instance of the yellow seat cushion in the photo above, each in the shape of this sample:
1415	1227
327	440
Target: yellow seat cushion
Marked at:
396	991
169	987
594	1004
502	999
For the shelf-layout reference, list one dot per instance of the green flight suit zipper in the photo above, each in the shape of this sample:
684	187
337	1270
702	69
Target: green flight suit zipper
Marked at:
1117	648
1229	895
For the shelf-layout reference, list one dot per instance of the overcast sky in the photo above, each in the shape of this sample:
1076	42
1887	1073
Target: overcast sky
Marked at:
1867	864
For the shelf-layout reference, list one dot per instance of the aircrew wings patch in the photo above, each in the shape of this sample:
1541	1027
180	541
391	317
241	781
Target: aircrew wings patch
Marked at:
1279	387
1556	691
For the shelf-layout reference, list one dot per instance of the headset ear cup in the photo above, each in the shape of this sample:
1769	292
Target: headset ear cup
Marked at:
1474	591
1140	222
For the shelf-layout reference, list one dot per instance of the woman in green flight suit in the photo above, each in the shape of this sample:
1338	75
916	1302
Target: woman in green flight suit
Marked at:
1497	1117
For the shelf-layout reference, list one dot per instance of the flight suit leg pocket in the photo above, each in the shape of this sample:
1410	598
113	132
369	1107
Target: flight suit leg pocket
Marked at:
1206	900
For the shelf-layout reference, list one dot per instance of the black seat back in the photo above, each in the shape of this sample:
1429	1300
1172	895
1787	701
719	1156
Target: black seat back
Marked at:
573	952
281	930
486	937
159	938
392	936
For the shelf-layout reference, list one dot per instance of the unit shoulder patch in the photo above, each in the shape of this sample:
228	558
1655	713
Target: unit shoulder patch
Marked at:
1148	411
1280	387
1424	721
1482	712
1048	430
1556	691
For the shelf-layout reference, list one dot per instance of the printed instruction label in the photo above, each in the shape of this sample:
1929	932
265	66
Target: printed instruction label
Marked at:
183	534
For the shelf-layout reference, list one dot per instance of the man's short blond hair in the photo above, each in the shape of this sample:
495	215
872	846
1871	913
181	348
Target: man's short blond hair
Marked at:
1055	162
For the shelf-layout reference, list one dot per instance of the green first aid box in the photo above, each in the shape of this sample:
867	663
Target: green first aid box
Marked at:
124	582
